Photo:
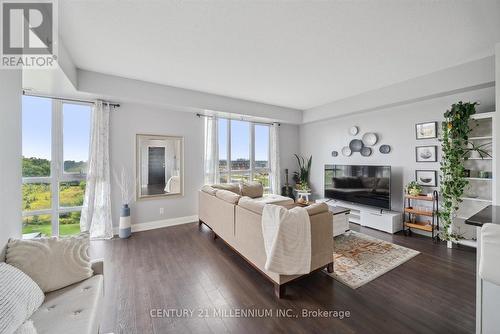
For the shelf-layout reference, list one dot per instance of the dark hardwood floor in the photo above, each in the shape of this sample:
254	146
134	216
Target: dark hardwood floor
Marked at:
182	267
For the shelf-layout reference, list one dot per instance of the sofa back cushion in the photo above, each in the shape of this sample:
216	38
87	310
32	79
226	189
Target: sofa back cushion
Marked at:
252	189
53	263
232	187
20	297
209	190
227	196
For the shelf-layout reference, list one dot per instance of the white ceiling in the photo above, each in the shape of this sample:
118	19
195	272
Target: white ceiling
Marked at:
298	54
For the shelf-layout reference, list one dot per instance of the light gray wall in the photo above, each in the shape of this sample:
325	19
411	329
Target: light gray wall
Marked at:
289	145
394	126
131	119
10	155
496	127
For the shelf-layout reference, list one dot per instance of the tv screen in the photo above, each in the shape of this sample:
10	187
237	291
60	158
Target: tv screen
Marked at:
368	185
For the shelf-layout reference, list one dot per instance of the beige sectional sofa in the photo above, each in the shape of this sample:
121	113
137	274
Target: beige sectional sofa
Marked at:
236	219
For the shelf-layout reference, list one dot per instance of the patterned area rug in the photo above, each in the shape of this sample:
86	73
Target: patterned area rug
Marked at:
359	258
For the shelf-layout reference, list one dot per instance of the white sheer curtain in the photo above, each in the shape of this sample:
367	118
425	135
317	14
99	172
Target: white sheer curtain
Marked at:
96	212
211	158
274	144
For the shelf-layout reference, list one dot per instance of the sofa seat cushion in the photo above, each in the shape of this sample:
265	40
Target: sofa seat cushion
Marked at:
227	196
274	199
257	204
73	309
252	205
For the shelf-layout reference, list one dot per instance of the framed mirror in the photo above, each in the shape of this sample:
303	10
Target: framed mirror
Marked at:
159	166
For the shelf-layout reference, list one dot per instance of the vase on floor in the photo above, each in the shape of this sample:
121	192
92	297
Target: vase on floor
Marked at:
125	228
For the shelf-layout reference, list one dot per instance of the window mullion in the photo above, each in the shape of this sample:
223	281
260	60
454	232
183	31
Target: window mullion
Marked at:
252	150
229	165
56	163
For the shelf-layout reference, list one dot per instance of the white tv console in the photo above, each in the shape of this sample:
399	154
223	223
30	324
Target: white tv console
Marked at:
379	219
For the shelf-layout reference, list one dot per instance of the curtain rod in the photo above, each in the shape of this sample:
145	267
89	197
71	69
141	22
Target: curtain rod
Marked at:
256	122
28	93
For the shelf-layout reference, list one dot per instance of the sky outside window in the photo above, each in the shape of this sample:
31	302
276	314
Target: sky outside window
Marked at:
37	124
222	128
262	144
76	130
240	145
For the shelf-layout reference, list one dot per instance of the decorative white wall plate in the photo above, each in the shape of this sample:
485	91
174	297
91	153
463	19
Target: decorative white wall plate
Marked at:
353	130
370	139
346	151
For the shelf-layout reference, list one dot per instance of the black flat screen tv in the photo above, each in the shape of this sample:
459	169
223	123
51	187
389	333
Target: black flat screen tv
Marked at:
367	185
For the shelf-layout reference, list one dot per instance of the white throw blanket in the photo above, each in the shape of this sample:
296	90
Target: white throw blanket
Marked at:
287	240
489	270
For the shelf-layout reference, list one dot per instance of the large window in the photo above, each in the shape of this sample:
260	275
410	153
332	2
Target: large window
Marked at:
55	154
243	151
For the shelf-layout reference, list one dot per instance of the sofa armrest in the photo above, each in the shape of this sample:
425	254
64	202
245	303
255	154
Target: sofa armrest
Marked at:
97	266
321	239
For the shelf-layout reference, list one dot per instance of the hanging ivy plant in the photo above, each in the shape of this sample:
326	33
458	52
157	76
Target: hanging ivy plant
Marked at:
456	149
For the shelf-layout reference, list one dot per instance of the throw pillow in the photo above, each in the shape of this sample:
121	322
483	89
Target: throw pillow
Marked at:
26	328
20	297
252	189
232	187
53	263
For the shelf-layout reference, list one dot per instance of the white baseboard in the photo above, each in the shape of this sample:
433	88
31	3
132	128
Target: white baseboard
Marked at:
160	223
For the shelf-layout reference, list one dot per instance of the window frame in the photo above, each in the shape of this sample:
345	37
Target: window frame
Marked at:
57	172
252	169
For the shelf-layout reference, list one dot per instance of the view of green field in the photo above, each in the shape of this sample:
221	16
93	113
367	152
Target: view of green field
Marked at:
38	196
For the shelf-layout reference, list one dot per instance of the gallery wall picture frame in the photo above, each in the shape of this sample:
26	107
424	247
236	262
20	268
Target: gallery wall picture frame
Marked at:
426	178
427	130
426	153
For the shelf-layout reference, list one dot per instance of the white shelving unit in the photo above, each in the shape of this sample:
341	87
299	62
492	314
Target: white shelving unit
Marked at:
479	193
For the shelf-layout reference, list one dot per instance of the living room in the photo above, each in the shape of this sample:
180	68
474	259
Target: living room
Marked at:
221	166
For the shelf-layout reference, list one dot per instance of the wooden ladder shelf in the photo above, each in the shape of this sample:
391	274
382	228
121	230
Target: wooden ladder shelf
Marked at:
410	214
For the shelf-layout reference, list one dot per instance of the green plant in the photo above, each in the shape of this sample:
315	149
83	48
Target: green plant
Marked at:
301	177
413	188
456	148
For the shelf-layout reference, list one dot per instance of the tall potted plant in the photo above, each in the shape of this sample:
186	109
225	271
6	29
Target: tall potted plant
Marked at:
301	177
456	148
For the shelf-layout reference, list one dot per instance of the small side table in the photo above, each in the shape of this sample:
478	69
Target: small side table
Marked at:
340	217
340	220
